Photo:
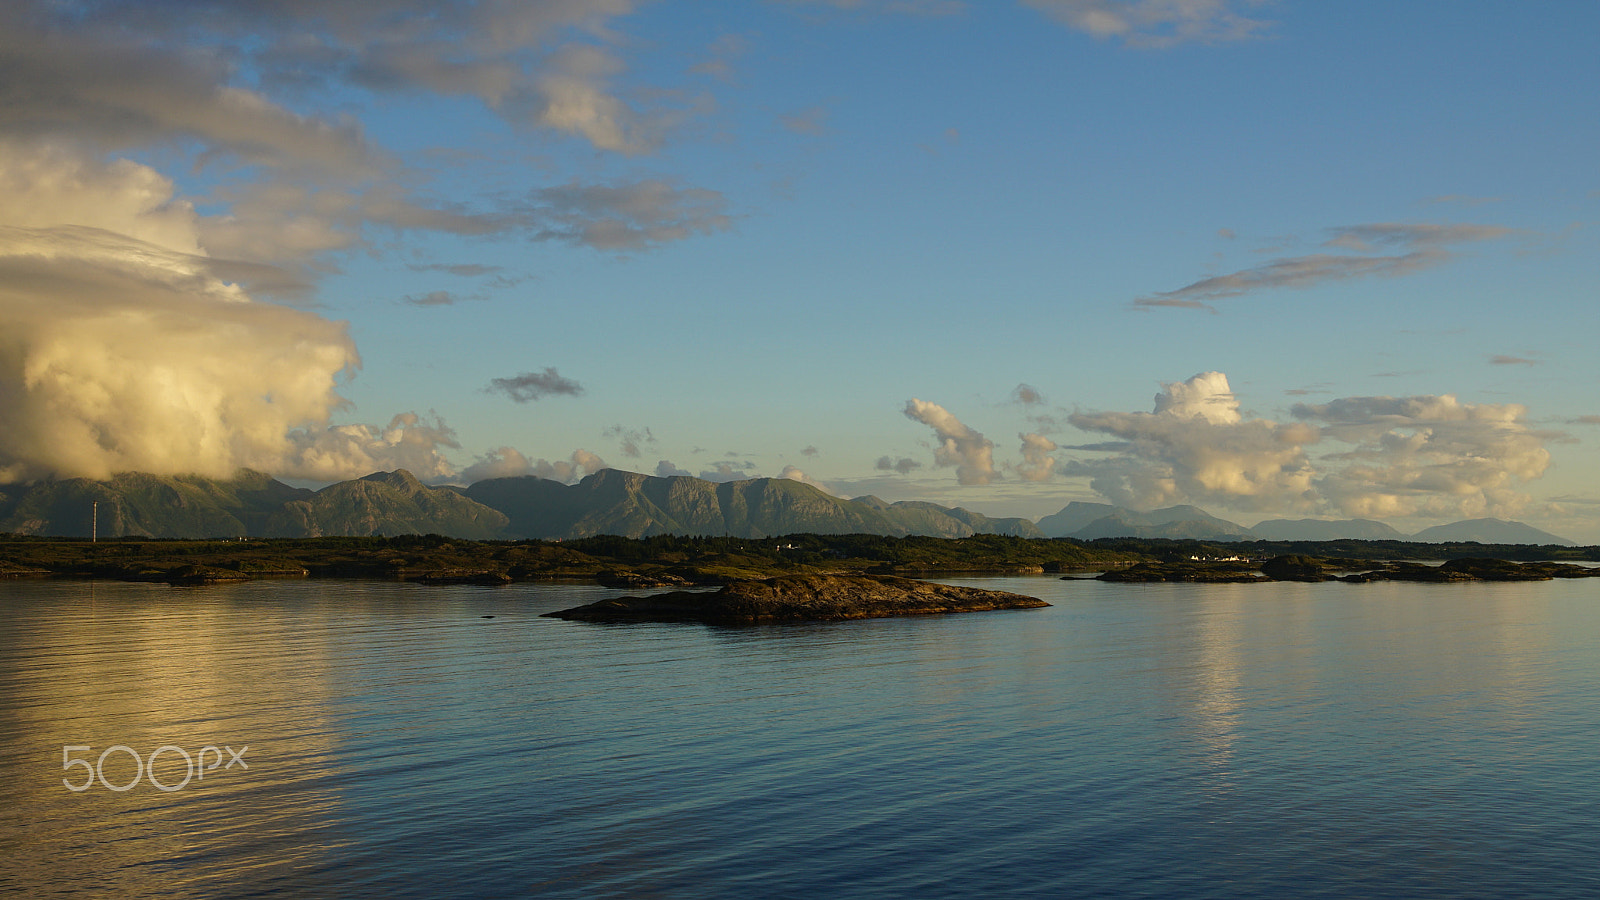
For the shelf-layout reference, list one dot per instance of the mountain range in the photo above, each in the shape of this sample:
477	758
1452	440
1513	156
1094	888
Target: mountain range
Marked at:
612	501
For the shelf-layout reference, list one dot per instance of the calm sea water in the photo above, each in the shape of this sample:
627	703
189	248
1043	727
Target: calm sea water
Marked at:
1383	740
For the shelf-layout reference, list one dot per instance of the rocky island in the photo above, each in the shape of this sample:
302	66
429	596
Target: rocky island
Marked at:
795	598
1312	569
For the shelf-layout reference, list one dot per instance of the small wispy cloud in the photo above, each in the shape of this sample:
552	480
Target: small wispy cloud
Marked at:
1306	391
905	465
465	270
624	217
1027	395
812	120
1462	199
1155	24
629	439
721	54
432	298
1367	238
1576	500
1172	302
728	471
665	469
1511	361
901	7
1414	246
531	386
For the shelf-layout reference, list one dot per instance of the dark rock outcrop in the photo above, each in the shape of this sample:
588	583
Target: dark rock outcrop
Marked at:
634	581
1296	568
1201	572
793	598
1311	568
485	578
195	574
1474	569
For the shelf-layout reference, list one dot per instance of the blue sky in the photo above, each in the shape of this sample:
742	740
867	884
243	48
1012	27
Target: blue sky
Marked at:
1277	259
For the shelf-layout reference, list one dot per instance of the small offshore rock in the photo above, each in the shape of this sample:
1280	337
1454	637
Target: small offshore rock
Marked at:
794	598
187	575
1296	568
490	579
635	581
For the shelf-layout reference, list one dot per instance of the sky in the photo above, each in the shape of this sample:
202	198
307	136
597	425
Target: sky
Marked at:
1278	259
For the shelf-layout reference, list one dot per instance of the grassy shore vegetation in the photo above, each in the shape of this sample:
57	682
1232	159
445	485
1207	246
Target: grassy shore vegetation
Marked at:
664	559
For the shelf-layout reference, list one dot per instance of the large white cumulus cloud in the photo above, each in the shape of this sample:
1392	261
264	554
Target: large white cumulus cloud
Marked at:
1385	456
123	350
1197	446
1430	455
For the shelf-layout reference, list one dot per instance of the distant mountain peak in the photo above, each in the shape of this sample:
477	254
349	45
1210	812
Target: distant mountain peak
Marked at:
1489	531
636	505
1325	530
400	479
1087	521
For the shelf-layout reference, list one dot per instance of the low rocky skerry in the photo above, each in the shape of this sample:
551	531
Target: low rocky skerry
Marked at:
1312	569
799	598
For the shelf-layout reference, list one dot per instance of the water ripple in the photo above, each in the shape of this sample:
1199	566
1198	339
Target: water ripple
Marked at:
1130	741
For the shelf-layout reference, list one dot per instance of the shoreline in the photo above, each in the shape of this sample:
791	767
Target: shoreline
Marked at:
670	561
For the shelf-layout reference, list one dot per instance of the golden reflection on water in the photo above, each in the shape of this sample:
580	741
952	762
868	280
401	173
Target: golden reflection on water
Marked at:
1378	654
145	667
1200	671
1214	703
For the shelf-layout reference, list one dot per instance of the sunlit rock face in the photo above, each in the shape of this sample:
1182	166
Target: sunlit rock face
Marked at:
801	598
